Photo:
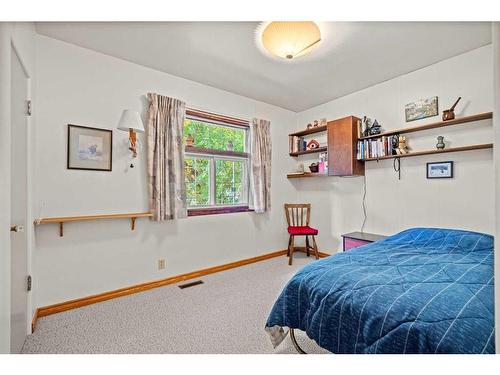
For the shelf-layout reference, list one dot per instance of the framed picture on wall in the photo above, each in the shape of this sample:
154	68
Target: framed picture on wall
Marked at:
89	148
443	169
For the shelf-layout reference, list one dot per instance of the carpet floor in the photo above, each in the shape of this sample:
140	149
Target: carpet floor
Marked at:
226	314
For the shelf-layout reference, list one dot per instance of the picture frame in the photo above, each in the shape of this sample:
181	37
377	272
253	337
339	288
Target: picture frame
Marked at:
89	148
442	169
421	109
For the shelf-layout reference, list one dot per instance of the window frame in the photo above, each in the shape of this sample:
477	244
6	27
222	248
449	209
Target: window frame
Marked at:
213	155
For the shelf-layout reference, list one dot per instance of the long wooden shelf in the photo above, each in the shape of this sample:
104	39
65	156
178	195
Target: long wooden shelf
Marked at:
440	124
432	152
65	219
305	174
313	151
313	130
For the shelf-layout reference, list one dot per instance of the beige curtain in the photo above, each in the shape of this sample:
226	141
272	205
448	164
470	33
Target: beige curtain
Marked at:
167	187
261	164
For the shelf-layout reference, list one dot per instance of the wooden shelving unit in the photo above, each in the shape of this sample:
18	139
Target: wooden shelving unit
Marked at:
432	152
305	175
313	151
439	124
317	129
65	219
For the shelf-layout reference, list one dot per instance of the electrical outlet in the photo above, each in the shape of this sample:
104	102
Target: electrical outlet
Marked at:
161	264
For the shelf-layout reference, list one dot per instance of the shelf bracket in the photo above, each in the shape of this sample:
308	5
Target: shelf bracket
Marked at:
397	166
61	229
132	223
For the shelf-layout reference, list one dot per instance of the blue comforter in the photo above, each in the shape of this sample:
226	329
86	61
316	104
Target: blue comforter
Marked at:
424	290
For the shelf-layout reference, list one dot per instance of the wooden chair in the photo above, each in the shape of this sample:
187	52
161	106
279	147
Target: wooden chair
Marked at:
297	218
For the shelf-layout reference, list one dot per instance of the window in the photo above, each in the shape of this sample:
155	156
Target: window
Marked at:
216	164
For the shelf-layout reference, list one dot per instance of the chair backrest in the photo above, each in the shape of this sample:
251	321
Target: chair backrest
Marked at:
297	215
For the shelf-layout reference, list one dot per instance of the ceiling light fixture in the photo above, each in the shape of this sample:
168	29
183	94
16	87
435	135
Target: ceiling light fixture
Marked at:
289	40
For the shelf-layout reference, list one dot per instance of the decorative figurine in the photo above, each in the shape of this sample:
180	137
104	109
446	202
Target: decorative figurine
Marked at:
314	168
449	114
375	128
309	126
316	124
230	146
402	146
313	144
440	145
366	124
189	140
322	122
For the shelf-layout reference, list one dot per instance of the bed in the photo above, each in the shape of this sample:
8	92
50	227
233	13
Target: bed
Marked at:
423	290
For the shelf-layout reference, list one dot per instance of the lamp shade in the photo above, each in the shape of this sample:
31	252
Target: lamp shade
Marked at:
289	40
131	120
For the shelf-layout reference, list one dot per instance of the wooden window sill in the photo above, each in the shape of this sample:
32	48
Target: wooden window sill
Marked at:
217	210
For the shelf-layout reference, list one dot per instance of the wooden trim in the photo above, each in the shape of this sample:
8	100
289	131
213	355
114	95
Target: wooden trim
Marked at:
432	152
306	174
209	151
216	117
64	219
317	129
440	124
312	151
76	303
321	254
34	321
217	210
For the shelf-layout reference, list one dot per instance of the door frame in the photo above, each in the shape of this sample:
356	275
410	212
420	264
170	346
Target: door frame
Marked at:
29	229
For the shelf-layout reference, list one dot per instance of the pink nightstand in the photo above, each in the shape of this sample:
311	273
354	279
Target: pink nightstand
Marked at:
356	239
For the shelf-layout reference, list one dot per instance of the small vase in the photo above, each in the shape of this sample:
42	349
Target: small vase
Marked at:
440	145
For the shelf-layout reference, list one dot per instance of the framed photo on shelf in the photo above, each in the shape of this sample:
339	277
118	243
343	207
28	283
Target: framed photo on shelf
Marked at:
443	169
89	148
422	108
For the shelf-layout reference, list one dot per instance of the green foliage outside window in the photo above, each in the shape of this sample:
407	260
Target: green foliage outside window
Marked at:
215	137
229	174
197	172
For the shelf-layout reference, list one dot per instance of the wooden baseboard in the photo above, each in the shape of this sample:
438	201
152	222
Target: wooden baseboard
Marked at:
73	304
80	302
34	320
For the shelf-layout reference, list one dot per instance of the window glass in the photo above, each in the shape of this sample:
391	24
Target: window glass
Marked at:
215	137
197	172
229	182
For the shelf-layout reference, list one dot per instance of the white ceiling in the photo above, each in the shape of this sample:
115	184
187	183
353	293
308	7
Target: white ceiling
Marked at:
351	56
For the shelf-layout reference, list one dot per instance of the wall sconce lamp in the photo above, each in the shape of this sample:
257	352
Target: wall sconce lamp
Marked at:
131	121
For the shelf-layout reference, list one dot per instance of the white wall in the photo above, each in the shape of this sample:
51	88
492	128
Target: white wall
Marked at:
466	201
496	122
82	87
22	37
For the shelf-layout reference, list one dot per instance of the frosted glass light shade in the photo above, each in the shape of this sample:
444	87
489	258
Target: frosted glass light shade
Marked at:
290	39
131	120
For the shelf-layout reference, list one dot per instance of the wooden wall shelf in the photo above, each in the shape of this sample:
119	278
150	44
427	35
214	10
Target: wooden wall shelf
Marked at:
432	152
65	219
313	151
440	124
305	174
317	129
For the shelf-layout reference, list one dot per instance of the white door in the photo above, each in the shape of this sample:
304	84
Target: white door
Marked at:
19	207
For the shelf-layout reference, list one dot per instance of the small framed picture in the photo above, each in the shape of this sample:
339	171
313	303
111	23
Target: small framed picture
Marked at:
89	148
422	108
443	169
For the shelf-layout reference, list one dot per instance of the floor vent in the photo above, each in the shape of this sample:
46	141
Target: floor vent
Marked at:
188	285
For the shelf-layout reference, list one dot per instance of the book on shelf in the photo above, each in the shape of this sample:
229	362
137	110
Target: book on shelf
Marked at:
375	148
297	144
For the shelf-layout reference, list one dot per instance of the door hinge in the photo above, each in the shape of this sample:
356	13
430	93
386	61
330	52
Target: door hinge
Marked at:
29	283
28	107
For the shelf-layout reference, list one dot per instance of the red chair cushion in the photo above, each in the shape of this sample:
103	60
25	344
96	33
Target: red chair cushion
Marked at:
302	231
